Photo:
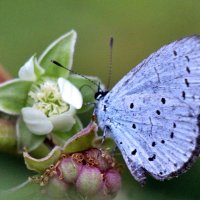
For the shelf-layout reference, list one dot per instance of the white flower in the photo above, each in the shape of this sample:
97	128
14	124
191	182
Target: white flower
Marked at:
53	108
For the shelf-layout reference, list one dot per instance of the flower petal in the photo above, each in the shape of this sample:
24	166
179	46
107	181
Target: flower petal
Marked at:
64	121
70	94
26	72
36	121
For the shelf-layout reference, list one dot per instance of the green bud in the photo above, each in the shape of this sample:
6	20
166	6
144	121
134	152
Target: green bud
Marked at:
56	189
89	181
70	169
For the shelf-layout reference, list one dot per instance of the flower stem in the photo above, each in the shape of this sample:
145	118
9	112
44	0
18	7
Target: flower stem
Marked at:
7	135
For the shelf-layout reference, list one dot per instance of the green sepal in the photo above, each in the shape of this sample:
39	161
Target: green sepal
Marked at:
25	139
39	165
60	137
61	51
104	143
82	141
37	68
13	95
88	88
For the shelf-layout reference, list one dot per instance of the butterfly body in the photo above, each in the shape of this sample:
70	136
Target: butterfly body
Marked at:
153	113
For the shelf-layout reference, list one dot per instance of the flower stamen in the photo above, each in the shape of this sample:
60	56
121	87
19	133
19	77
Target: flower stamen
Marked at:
47	98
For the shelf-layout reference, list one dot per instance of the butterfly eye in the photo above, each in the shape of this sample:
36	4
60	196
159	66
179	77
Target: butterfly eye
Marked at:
98	95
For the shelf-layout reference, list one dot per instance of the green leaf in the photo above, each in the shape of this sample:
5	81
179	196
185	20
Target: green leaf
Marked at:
13	96
88	88
62	51
39	165
60	137
83	140
26	139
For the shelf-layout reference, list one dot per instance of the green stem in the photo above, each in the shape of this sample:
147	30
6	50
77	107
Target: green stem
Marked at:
8	140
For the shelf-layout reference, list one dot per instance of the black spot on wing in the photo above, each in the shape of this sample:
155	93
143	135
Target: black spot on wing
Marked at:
152	158
188	59
134	152
131	105
153	144
183	94
158	112
175	53
187	83
188	70
163	100
162	141
133	126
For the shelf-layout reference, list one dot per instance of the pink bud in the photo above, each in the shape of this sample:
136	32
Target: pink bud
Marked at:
89	181
112	182
95	157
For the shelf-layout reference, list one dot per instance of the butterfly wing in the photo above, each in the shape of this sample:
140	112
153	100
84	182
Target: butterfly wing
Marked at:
153	113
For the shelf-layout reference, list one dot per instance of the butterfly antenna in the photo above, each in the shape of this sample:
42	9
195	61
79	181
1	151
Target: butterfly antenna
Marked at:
110	63
59	65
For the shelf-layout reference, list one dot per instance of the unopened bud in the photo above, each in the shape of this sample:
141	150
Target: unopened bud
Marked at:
70	169
56	188
89	181
112	182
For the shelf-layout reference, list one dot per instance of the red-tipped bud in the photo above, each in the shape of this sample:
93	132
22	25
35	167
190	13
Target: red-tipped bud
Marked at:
95	157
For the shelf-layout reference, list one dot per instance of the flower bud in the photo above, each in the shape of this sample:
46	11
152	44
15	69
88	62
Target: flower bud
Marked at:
70	169
112	182
91	174
95	157
89	181
4	75
56	189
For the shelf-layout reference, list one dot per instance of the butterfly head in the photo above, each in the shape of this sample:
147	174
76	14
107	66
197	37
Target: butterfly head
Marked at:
100	93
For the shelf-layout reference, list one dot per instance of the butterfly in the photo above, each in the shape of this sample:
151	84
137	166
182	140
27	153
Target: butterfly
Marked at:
153	112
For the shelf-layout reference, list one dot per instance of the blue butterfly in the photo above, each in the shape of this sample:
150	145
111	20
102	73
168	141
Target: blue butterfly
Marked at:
153	112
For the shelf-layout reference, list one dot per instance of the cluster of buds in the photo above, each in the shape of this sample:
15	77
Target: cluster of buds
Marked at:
88	174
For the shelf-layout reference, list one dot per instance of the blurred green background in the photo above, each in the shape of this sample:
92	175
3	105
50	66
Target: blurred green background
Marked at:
139	28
